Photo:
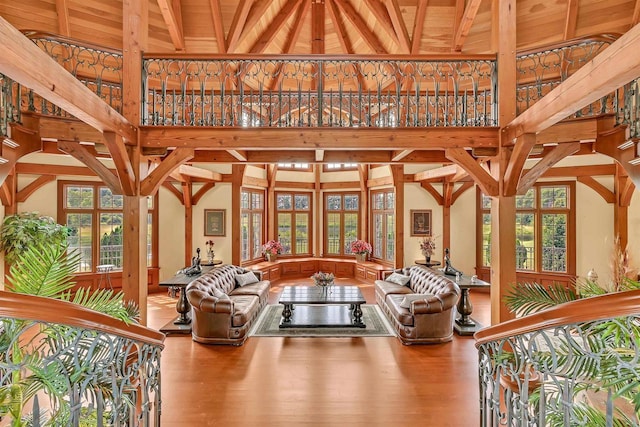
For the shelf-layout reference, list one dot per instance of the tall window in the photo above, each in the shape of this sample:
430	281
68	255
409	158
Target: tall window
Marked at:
94	217
293	222
251	224
342	216
383	216
543	228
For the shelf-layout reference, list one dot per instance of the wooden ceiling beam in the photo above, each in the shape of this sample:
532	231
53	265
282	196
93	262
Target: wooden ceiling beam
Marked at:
218	25
343	38
613	68
434	193
275	26
122	162
382	15
418	26
319	138
157	176
437	173
200	173
468	17
457	19
518	157
80	153
25	63
173	190
62	9
398	25
170	10
635	20
239	154
544	164
34	185
400	154
603	191
361	26
237	24
479	174
256	13
571	20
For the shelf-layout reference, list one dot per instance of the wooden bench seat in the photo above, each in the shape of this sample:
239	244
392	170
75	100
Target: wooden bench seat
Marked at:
305	267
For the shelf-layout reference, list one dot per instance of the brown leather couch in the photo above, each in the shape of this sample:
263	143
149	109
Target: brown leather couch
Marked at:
426	319
222	311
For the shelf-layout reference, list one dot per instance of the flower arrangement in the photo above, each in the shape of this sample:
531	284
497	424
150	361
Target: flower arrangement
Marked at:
323	279
272	247
361	247
210	253
428	245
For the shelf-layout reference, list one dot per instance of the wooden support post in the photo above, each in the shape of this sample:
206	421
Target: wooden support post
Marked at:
317	192
621	207
397	172
188	221
134	257
272	171
237	174
363	173
447	195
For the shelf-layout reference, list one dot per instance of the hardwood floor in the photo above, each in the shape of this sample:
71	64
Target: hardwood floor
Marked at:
274	381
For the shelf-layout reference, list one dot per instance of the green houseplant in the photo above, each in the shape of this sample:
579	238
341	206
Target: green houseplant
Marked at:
24	230
45	269
612	340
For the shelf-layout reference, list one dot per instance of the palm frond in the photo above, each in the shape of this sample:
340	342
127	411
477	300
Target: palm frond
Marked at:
527	298
105	301
589	288
43	270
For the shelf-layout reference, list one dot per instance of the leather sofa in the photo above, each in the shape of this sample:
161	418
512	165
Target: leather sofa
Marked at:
222	310
426	316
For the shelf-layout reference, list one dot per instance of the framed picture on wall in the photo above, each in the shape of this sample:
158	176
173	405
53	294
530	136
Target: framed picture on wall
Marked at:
214	222
421	222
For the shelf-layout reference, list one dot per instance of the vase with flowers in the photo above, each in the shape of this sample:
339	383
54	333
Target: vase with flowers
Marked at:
361	249
323	279
428	247
210	253
271	249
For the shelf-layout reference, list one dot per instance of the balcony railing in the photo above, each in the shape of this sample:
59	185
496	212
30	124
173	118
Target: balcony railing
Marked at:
573	365
104	373
286	91
629	113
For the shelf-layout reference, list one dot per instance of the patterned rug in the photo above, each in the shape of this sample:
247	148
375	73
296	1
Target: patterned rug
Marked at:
269	321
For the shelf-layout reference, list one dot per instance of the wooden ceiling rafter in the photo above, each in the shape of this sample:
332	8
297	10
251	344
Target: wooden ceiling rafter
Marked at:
571	19
382	15
62	10
292	39
457	19
122	162
238	23
239	154
436	174
80	153
544	164
518	157
257	12
399	26
361	26
418	26
469	16
218	25
317	41
635	20
171	13
275	26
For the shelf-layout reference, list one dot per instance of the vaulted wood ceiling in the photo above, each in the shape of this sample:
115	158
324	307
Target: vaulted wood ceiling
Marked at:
324	26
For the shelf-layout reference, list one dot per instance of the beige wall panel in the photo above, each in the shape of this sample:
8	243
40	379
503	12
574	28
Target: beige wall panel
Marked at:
463	233
634	230
417	198
219	197
171	234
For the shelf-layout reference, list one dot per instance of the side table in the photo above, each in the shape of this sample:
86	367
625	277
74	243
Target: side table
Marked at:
105	275
465	325
424	262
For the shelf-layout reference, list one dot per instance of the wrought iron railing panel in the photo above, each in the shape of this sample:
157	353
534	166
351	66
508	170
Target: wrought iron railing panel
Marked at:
538	72
10	94
91	377
281	92
563	376
629	113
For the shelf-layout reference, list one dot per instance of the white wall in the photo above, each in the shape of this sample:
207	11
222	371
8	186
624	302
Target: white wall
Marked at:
415	197
219	197
171	234
463	232
634	230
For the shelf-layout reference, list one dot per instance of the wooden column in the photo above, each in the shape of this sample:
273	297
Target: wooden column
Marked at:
503	227
623	190
188	222
363	173
272	171
317	193
447	194
134	266
397	172
237	174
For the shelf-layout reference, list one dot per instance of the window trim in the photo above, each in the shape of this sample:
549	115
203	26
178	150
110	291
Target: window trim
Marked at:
325	224
384	212
292	167
293	213
571	229
251	211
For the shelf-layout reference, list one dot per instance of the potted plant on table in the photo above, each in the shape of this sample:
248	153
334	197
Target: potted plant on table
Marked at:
427	247
271	249
361	249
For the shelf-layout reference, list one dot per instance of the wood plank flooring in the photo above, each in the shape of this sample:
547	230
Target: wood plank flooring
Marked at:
275	381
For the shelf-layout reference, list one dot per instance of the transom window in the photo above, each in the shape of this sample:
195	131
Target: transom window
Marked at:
334	167
543	228
342	216
293	222
251	224
302	167
95	219
383	224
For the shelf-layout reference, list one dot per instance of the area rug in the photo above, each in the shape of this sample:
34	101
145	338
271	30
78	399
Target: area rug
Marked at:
269	321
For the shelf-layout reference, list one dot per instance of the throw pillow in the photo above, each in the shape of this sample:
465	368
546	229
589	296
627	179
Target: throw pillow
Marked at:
246	279
398	279
408	299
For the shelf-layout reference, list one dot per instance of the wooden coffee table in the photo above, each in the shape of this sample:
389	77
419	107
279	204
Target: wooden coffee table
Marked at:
312	307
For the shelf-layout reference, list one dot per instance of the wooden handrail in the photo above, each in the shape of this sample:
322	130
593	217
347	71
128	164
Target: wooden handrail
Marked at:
49	310
312	57
36	34
583	310
608	38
